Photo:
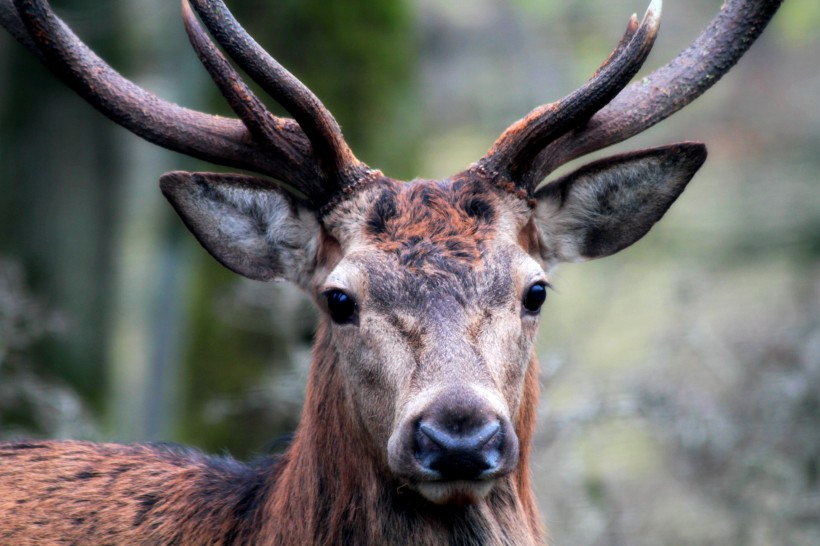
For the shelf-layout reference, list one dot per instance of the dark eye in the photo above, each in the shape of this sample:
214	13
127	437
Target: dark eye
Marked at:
342	307
535	296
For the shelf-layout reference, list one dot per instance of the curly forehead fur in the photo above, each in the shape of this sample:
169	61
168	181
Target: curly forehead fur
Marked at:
429	226
428	223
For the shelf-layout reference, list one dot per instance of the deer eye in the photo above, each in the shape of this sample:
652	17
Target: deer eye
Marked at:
342	306
535	296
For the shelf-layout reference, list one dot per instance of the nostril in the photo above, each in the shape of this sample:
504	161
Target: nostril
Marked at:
461	454
426	441
490	435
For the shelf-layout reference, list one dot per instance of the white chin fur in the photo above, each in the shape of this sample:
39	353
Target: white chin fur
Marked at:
459	492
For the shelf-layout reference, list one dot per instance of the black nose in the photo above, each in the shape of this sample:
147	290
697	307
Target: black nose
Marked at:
459	452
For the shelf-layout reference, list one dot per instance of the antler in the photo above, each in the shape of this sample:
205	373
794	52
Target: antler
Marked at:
309	154
515	150
570	127
331	150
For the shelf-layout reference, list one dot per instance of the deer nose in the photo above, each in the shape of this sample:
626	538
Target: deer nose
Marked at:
459	451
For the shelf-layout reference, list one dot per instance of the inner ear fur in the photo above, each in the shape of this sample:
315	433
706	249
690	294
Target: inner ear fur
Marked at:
250	225
605	206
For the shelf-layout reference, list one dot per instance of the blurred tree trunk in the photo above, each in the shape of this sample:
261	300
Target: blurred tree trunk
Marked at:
59	173
150	260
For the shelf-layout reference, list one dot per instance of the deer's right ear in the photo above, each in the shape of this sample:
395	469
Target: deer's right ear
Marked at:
605	206
249	225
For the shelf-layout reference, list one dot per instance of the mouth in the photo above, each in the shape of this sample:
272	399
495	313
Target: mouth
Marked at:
455	492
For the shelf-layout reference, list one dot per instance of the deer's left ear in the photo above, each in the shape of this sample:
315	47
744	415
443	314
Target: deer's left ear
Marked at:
607	205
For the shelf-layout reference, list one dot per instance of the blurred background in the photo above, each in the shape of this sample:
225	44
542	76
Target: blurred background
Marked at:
681	378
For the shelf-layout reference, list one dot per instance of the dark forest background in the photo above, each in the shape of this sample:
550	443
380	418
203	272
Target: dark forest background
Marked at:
681	378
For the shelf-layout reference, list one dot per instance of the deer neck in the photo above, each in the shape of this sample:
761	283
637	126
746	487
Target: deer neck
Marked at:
332	488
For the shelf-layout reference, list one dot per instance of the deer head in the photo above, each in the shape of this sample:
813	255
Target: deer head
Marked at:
431	290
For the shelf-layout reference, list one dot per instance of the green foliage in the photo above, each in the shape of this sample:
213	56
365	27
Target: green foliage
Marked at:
221	364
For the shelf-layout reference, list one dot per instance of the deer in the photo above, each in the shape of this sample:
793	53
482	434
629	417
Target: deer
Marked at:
422	393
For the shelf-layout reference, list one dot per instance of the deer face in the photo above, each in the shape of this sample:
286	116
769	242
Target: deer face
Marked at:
435	347
432	292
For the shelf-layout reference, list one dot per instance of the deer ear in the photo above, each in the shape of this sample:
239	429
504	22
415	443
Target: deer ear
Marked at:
607	205
248	224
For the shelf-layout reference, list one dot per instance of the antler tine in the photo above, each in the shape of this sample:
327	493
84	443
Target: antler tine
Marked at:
667	89
216	139
514	152
239	96
332	152
263	126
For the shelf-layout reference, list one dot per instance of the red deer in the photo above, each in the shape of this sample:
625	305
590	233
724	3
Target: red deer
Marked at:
421	398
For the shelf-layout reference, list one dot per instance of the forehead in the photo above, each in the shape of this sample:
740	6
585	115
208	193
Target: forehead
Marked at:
431	226
429	242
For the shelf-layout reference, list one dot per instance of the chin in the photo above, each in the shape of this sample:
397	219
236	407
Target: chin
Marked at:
455	493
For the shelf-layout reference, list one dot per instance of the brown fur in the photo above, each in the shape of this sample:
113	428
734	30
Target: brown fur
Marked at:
427	219
84	493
